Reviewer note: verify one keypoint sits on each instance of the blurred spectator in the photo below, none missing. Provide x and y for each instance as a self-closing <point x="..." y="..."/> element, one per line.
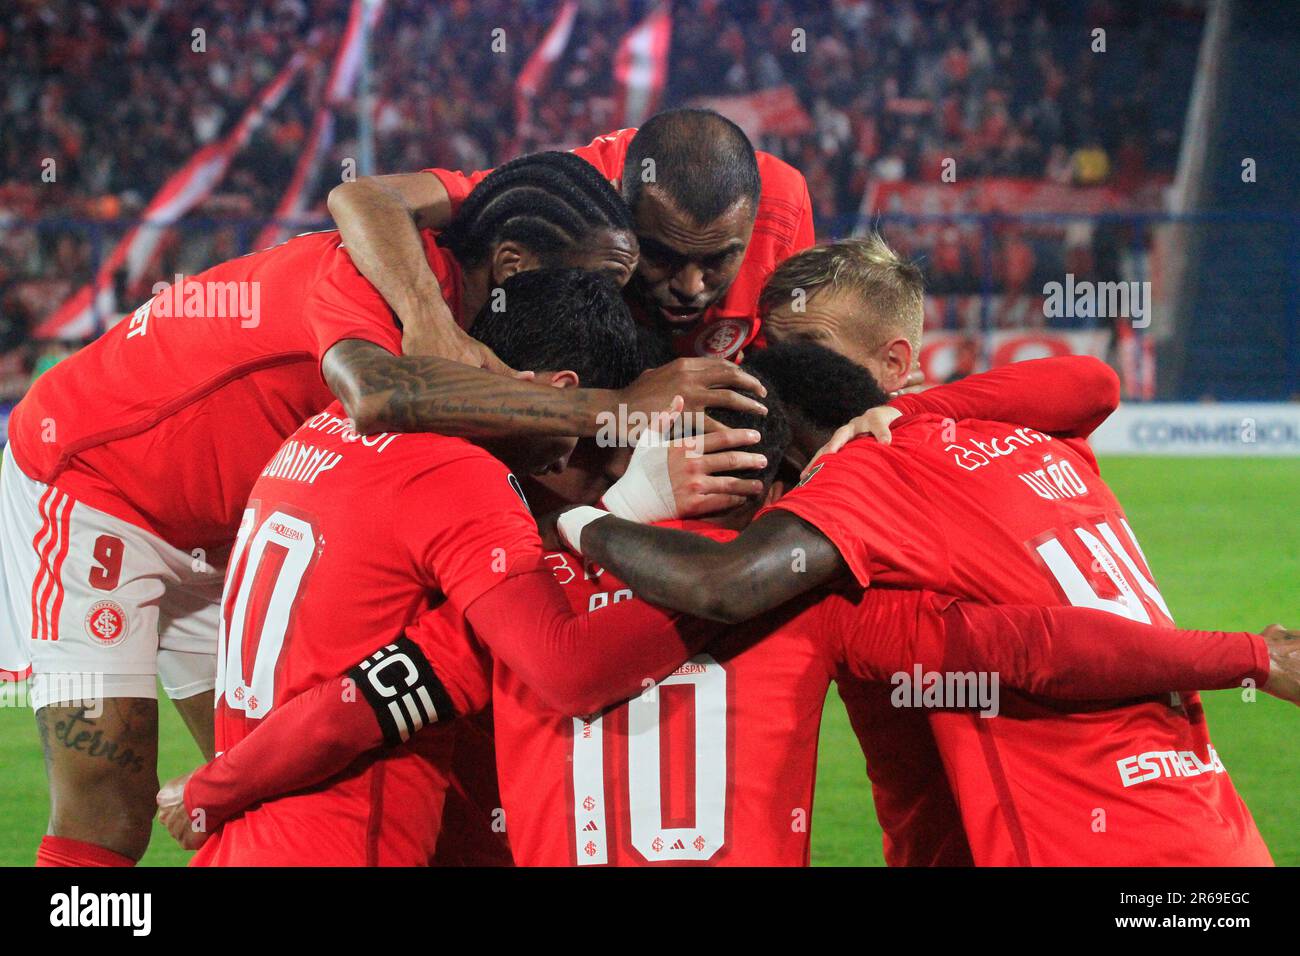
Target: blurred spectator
<point x="111" y="97"/>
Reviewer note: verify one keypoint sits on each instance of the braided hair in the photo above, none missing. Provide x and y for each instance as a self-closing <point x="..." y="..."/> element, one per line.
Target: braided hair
<point x="548" y="202"/>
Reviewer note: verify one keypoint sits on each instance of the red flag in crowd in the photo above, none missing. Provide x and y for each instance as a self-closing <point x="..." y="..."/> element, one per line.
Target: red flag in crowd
<point x="641" y="66"/>
<point x="342" y="81"/>
<point x="80" y="316"/>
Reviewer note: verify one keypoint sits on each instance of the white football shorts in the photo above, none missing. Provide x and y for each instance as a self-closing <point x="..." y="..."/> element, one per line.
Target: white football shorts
<point x="95" y="602"/>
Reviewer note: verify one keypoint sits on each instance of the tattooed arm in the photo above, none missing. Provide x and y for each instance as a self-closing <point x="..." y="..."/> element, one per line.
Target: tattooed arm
<point x="385" y="392"/>
<point x="379" y="218"/>
<point x="775" y="559"/>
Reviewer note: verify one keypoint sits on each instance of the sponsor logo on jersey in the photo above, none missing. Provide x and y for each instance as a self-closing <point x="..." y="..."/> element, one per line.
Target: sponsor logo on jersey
<point x="106" y="623"/>
<point x="974" y="453"/>
<point x="1155" y="764"/>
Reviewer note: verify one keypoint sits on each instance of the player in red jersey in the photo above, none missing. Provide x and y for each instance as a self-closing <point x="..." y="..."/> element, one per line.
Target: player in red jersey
<point x="991" y="512"/>
<point x="588" y="790"/>
<point x="713" y="216"/>
<point x="444" y="525"/>
<point x="128" y="464"/>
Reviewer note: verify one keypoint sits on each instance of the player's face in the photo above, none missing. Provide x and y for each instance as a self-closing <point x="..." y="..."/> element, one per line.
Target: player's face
<point x="686" y="267"/>
<point x="837" y="320"/>
<point x="590" y="472"/>
<point x="610" y="252"/>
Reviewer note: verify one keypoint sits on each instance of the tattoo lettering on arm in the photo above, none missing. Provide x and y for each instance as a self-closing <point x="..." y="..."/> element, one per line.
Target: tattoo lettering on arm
<point x="385" y="392"/>
<point x="773" y="561"/>
<point x="73" y="729"/>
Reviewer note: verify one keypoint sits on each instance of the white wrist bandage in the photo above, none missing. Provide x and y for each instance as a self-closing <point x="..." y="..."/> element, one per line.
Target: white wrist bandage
<point x="571" y="523"/>
<point x="645" y="492"/>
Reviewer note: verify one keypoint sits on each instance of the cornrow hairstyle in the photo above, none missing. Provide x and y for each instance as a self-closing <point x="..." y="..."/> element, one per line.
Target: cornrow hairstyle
<point x="548" y="202"/>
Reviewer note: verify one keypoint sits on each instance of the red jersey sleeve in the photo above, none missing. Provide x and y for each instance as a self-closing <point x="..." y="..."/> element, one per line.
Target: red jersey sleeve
<point x="581" y="663"/>
<point x="604" y="152"/>
<point x="330" y="724"/>
<point x="465" y="526"/>
<point x="342" y="304"/>
<point x="1068" y="396"/>
<point x="873" y="515"/>
<point x="458" y="184"/>
<point x="607" y="153"/>
<point x="1069" y="653"/>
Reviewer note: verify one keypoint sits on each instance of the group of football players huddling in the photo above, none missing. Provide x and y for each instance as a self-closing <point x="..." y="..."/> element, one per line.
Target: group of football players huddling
<point x="534" y="512"/>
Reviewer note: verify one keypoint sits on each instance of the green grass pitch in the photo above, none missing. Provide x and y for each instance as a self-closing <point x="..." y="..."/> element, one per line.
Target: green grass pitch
<point x="1223" y="537"/>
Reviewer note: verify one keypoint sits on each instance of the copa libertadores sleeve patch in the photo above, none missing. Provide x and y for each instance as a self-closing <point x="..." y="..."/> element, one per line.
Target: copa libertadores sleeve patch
<point x="402" y="689"/>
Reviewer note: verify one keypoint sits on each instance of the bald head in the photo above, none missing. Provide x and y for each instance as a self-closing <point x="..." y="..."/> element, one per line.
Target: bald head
<point x="697" y="159"/>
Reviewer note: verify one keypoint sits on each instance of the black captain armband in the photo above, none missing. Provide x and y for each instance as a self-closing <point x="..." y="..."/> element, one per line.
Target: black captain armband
<point x="399" y="684"/>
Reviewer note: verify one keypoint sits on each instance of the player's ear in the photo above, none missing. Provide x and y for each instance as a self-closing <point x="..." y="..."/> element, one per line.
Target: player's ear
<point x="565" y="379"/>
<point x="896" y="362"/>
<point x="510" y="258"/>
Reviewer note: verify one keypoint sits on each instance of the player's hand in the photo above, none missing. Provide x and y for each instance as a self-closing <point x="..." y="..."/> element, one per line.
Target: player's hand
<point x="187" y="830"/>
<point x="677" y="477"/>
<point x="701" y="382"/>
<point x="1284" y="663"/>
<point x="874" y="422"/>
<point x="433" y="331"/>
<point x="694" y="464"/>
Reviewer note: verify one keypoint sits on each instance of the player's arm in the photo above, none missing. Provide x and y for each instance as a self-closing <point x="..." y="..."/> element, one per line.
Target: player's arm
<point x="1062" y="652"/>
<point x="383" y="700"/>
<point x="581" y="663"/>
<point x="775" y="559"/>
<point x="1068" y="397"/>
<point x="385" y="392"/>
<point x="379" y="218"/>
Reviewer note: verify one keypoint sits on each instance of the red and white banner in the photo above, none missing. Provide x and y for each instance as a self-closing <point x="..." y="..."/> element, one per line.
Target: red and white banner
<point x="537" y="71"/>
<point x="347" y="63"/>
<point x="78" y="317"/>
<point x="772" y="112"/>
<point x="641" y="66"/>
<point x="339" y="89"/>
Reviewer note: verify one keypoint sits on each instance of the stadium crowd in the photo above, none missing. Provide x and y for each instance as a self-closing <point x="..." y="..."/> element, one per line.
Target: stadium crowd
<point x="119" y="94"/>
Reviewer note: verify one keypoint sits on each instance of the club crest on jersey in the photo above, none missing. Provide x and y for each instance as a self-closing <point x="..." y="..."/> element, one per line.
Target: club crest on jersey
<point x="721" y="339"/>
<point x="106" y="623"/>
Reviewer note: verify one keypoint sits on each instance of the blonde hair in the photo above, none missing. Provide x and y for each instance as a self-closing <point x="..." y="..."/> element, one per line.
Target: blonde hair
<point x="891" y="288"/>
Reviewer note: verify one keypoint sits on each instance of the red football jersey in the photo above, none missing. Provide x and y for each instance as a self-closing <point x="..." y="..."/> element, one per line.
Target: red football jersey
<point x="782" y="227"/>
<point x="1001" y="514"/>
<point x="166" y="419"/>
<point x="346" y="539"/>
<point x="715" y="765"/>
